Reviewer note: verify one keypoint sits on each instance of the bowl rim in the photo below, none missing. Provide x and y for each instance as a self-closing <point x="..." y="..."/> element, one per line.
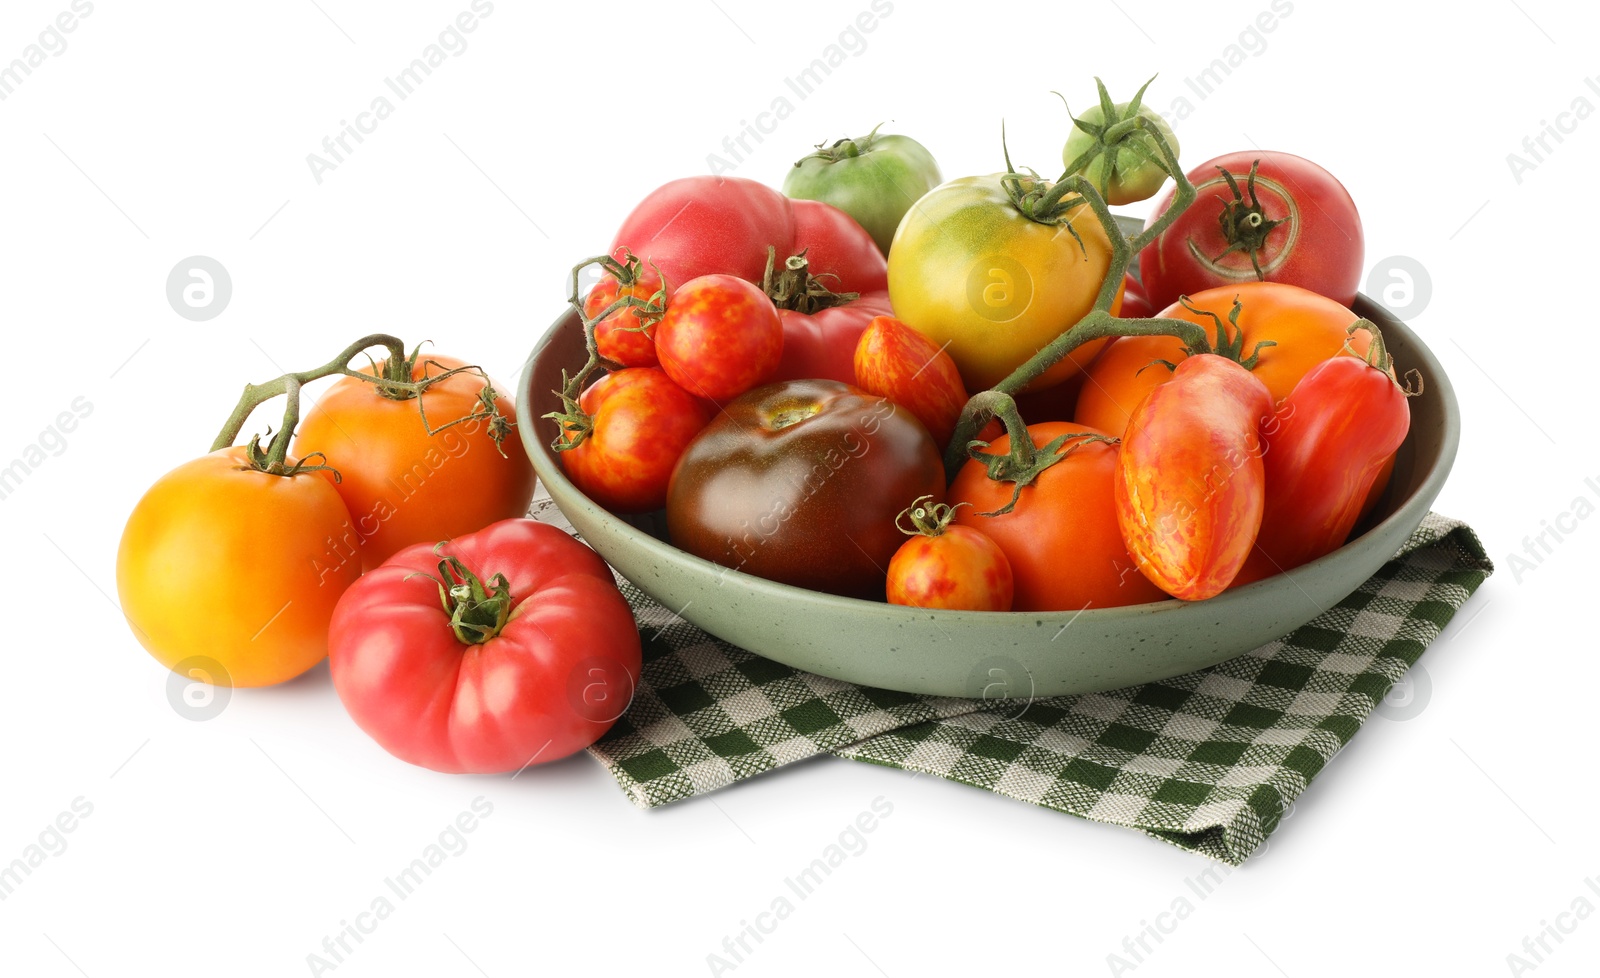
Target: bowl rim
<point x="548" y="469"/>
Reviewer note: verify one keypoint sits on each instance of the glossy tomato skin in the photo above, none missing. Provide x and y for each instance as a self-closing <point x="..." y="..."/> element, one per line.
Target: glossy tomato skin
<point x="1191" y="487"/>
<point x="720" y="337"/>
<point x="969" y="270"/>
<point x="1327" y="445"/>
<point x="800" y="482"/>
<point x="958" y="570"/>
<point x="1307" y="329"/>
<point x="1319" y="245"/>
<point x="642" y="422"/>
<point x="223" y="564"/>
<point x="875" y="179"/>
<point x="895" y="361"/>
<point x="548" y="685"/>
<point x="1061" y="539"/>
<point x="821" y="345"/>
<point x="712" y="225"/>
<point x="403" y="485"/>
<point x="619" y="336"/>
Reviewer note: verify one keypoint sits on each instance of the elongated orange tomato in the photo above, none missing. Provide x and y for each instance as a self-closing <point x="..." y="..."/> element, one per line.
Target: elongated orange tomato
<point x="1191" y="487"/>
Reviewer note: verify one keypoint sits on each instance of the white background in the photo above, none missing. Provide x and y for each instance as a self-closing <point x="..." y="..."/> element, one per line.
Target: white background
<point x="234" y="846"/>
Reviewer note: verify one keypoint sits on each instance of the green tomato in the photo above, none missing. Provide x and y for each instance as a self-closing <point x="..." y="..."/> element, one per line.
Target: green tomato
<point x="1126" y="171"/>
<point x="875" y="179"/>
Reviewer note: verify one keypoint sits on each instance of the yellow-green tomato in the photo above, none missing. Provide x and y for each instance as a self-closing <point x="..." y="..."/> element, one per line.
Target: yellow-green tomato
<point x="974" y="274"/>
<point x="1126" y="172"/>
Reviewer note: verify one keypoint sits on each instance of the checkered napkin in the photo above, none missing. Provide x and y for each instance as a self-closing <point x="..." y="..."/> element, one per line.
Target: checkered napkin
<point x="1208" y="761"/>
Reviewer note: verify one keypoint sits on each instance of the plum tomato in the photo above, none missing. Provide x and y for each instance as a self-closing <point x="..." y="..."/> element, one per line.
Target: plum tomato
<point x="895" y="361"/>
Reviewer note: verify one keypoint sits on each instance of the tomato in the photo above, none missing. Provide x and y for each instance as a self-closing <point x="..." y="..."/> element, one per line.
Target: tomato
<point x="1191" y="486"/>
<point x="640" y="423"/>
<point x="1061" y="538"/>
<point x="944" y="566"/>
<point x="894" y="361"/>
<point x="711" y="225"/>
<point x="224" y="566"/>
<point x="800" y="483"/>
<point x="719" y="337"/>
<point x="970" y="270"/>
<point x="403" y="485"/>
<point x="625" y="336"/>
<point x="1292" y="222"/>
<point x="1127" y="168"/>
<point x="1326" y="446"/>
<point x="820" y="326"/>
<point x="1307" y="329"/>
<point x="503" y="648"/>
<point x="875" y="179"/>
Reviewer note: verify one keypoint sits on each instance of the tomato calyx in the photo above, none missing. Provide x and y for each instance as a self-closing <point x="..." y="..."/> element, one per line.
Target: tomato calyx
<point x="796" y="289"/>
<point x="1023" y="462"/>
<point x="927" y="518"/>
<point x="478" y="612"/>
<point x="1245" y="226"/>
<point x="1377" y="357"/>
<point x="1119" y="136"/>
<point x="843" y="149"/>
<point x="1229" y="345"/>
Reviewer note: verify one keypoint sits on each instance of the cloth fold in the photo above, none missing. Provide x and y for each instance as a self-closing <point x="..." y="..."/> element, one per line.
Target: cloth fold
<point x="1208" y="761"/>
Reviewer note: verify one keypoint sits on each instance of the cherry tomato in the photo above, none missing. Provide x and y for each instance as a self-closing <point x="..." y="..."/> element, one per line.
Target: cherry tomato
<point x="800" y="482"/>
<point x="625" y="336"/>
<point x="894" y="361"/>
<point x="404" y="485"/>
<point x="640" y="424"/>
<point x="719" y="337"/>
<point x="1325" y="448"/>
<point x="1191" y="486"/>
<point x="1307" y="329"/>
<point x="1061" y="538"/>
<point x="503" y="648"/>
<point x="945" y="566"/>
<point x="1127" y="170"/>
<point x="1257" y="216"/>
<point x="230" y="575"/>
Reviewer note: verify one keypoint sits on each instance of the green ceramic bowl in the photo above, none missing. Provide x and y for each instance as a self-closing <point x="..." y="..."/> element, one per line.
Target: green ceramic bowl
<point x="966" y="653"/>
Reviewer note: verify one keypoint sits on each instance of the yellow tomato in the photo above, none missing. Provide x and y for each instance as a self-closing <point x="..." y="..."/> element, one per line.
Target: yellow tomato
<point x="971" y="270"/>
<point x="224" y="566"/>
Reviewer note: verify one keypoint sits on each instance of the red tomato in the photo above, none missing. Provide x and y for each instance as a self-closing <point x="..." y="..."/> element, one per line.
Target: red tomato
<point x="720" y="337"/>
<point x="944" y="566"/>
<point x="1307" y="329"/>
<point x="800" y="482"/>
<point x="1326" y="446"/>
<point x="1061" y="539"/>
<point x="822" y="345"/>
<point x="535" y="658"/>
<point x="641" y="422"/>
<point x="1190" y="486"/>
<point x="618" y="337"/>
<point x="895" y="361"/>
<point x="1292" y="223"/>
<point x="724" y="225"/>
<point x="403" y="485"/>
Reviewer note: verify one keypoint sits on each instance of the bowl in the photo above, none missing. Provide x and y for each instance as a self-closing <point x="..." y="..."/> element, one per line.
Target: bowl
<point x="995" y="654"/>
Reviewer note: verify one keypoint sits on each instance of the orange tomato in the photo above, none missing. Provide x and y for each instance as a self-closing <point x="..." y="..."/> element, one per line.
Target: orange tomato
<point x="1308" y="328"/>
<point x="403" y="485"/>
<point x="960" y="569"/>
<point x="1061" y="540"/>
<point x="222" y="565"/>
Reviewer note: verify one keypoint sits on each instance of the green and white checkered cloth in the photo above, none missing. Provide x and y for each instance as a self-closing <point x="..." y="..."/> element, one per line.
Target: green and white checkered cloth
<point x="1208" y="761"/>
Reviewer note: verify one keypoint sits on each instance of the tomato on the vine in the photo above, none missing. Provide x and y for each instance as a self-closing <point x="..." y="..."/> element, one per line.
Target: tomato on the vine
<point x="1128" y="165"/>
<point x="1257" y="216"/>
<point x="639" y="423"/>
<point x="624" y="337"/>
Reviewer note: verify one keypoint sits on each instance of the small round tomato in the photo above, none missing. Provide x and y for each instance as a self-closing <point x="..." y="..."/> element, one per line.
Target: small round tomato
<point x="875" y="179"/>
<point x="625" y="336"/>
<point x="1257" y="216"/>
<point x="894" y="361"/>
<point x="225" y="566"/>
<point x="944" y="566"/>
<point x="640" y="423"/>
<point x="1061" y="538"/>
<point x="976" y="275"/>
<point x="800" y="482"/>
<point x="1126" y="170"/>
<point x="405" y="485"/>
<point x="719" y="337"/>
<point x="1307" y="329"/>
